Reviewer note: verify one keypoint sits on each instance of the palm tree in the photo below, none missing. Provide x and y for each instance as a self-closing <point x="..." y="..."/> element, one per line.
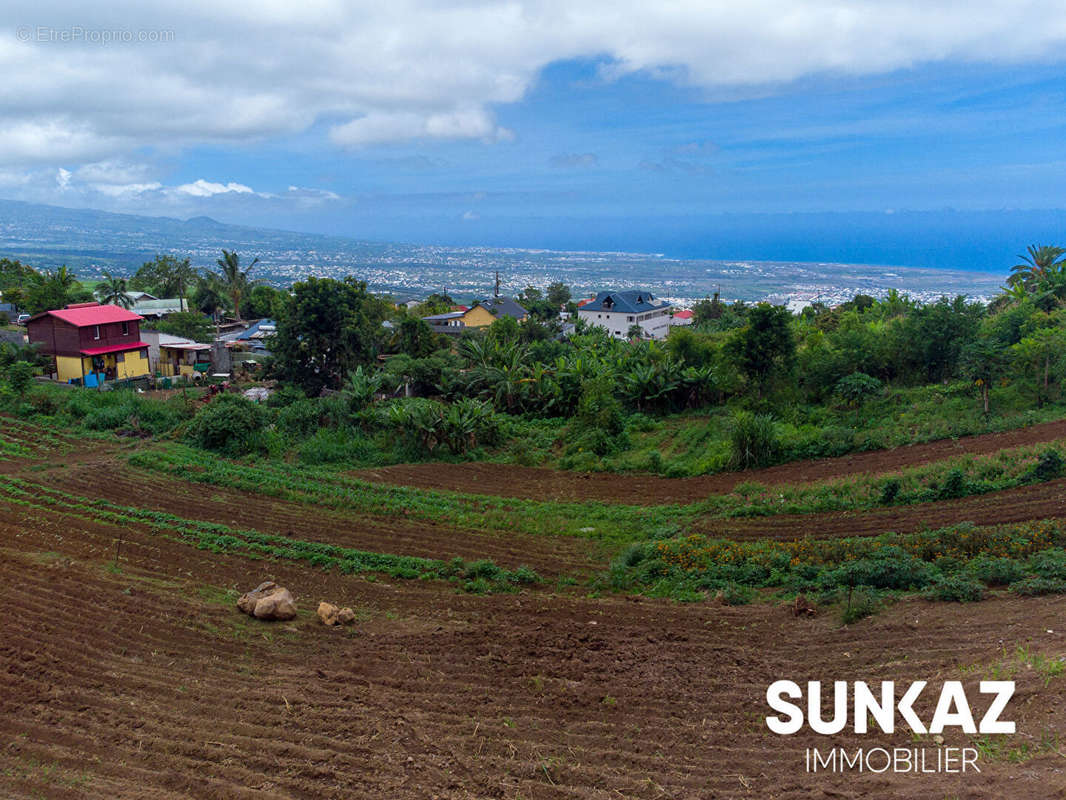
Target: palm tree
<point x="235" y="281"/>
<point x="209" y="296"/>
<point x="51" y="289"/>
<point x="1037" y="267"/>
<point x="112" y="291"/>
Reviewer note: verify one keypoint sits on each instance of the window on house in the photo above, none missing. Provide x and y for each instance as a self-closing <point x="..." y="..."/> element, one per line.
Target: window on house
<point x="125" y="329"/>
<point x="629" y="319"/>
<point x="120" y="358"/>
<point x="96" y="331"/>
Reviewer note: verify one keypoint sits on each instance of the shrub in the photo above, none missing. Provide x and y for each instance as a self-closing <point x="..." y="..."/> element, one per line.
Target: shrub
<point x="753" y="440"/>
<point x="299" y="419"/>
<point x="890" y="491"/>
<point x="483" y="569"/>
<point x="285" y="395"/>
<point x="735" y="594"/>
<point x="525" y="576"/>
<point x="996" y="571"/>
<point x="332" y="446"/>
<point x="650" y="569"/>
<point x="862" y="602"/>
<point x="631" y="556"/>
<point x="640" y="423"/>
<point x="891" y="568"/>
<point x="1049" y="563"/>
<point x="1037" y="587"/>
<point x="108" y="418"/>
<point x="598" y="409"/>
<point x="424" y="425"/>
<point x="1049" y="465"/>
<point x="955" y="589"/>
<point x="19" y="376"/>
<point x="361" y="388"/>
<point x="598" y="442"/>
<point x="228" y="424"/>
<point x="954" y="485"/>
<point x="856" y="388"/>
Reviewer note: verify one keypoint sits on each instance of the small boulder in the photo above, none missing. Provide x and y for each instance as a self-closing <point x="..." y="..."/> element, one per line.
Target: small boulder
<point x="327" y="612"/>
<point x="332" y="615"/>
<point x="268" y="601"/>
<point x="346" y="616"/>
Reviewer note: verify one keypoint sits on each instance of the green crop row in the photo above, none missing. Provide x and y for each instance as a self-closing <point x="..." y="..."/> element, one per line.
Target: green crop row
<point x="478" y="576"/>
<point x="326" y="488"/>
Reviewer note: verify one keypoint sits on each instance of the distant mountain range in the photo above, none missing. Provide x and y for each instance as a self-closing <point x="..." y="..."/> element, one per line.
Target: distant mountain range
<point x="91" y="241"/>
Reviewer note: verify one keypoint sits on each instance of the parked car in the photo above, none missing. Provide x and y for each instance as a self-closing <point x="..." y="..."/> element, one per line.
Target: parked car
<point x="23" y="319"/>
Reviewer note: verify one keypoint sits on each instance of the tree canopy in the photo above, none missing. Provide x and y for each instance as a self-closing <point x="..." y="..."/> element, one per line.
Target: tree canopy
<point x="327" y="329"/>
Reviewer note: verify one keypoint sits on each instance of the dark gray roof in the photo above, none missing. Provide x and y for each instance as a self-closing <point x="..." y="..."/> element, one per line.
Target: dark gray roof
<point x="503" y="307"/>
<point x="449" y="315"/>
<point x="630" y="301"/>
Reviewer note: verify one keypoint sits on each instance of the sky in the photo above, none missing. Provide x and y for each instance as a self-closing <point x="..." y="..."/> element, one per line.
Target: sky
<point x="710" y="129"/>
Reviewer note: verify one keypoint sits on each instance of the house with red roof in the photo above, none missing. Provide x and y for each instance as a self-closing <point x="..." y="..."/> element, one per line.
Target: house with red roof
<point x="681" y="317"/>
<point x="91" y="343"/>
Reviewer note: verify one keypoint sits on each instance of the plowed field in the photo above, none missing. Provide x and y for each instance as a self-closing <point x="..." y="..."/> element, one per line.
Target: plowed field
<point x="635" y="489"/>
<point x="1038" y="501"/>
<point x="143" y="681"/>
<point x="240" y="509"/>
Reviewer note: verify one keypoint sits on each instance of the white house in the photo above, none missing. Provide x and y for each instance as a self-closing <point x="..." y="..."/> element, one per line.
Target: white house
<point x="619" y="311"/>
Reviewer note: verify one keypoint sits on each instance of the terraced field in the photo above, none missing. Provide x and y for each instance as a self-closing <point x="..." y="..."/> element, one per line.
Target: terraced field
<point x="126" y="672"/>
<point x="538" y="483"/>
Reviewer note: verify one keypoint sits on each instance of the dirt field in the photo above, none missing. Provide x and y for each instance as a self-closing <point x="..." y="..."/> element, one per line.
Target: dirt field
<point x="634" y="489"/>
<point x="239" y="509"/>
<point x="136" y="677"/>
<point x="1039" y="501"/>
<point x="143" y="681"/>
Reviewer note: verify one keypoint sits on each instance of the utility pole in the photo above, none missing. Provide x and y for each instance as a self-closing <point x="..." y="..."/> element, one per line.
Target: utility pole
<point x="497" y="283"/>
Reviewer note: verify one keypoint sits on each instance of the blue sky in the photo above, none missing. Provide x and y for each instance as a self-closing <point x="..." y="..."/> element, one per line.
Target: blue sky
<point x="527" y="125"/>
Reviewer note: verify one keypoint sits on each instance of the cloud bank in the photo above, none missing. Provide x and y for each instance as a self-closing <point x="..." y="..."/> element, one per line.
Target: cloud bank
<point x="374" y="73"/>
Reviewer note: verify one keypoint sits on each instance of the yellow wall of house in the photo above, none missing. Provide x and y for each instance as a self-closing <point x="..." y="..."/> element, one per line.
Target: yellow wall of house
<point x="68" y="368"/>
<point x="134" y="365"/>
<point x="478" y="317"/>
<point x="166" y="364"/>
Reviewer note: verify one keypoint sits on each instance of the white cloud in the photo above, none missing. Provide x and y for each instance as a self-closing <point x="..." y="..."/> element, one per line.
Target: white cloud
<point x="122" y="190"/>
<point x="130" y="187"/>
<point x="394" y="126"/>
<point x="307" y="194"/>
<point x="202" y="188"/>
<point x="436" y="69"/>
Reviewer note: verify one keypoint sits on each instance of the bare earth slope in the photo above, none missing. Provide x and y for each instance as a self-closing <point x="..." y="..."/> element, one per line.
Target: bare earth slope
<point x="145" y="682"/>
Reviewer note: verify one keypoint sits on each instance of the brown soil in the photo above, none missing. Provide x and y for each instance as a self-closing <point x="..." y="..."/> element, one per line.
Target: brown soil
<point x="1039" y="501"/>
<point x="539" y="483"/>
<point x="139" y="683"/>
<point x="116" y="481"/>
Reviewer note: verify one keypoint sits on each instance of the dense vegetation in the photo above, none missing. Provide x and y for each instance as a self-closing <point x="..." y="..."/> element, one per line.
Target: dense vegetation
<point x="360" y="382"/>
<point x="366" y="382"/>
